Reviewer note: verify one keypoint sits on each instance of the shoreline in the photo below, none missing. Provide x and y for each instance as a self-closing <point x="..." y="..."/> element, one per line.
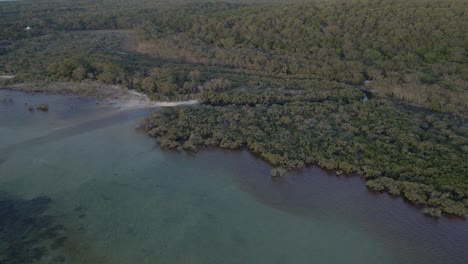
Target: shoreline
<point x="112" y="95"/>
<point x="310" y="195"/>
<point x="119" y="99"/>
<point x="309" y="167"/>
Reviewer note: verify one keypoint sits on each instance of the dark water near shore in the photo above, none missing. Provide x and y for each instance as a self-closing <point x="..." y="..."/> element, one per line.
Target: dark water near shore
<point x="79" y="184"/>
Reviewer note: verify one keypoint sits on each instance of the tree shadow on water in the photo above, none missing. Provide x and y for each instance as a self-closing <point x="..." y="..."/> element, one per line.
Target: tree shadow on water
<point x="26" y="232"/>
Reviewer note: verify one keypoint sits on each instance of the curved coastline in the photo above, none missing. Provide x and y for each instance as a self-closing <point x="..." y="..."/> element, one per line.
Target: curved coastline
<point x="311" y="194"/>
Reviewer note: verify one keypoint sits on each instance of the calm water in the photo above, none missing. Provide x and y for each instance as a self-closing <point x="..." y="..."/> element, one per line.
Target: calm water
<point x="79" y="184"/>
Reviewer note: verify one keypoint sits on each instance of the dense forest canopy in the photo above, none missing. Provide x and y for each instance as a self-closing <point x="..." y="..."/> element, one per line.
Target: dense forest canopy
<point x="415" y="50"/>
<point x="372" y="87"/>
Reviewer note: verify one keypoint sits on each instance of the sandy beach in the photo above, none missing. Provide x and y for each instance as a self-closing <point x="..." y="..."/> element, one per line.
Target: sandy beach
<point x="112" y="95"/>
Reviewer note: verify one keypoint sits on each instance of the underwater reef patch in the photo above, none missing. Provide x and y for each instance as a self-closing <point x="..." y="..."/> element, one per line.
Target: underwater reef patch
<point x="27" y="233"/>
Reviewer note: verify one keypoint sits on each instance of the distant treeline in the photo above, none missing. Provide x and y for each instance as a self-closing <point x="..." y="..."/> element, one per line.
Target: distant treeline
<point x="414" y="50"/>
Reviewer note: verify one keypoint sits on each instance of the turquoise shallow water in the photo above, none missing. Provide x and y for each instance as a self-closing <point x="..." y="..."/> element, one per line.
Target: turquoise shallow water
<point x="79" y="184"/>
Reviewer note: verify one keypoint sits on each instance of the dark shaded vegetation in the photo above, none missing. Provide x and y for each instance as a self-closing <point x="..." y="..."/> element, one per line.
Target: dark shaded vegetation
<point x="26" y="232"/>
<point x="285" y="81"/>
